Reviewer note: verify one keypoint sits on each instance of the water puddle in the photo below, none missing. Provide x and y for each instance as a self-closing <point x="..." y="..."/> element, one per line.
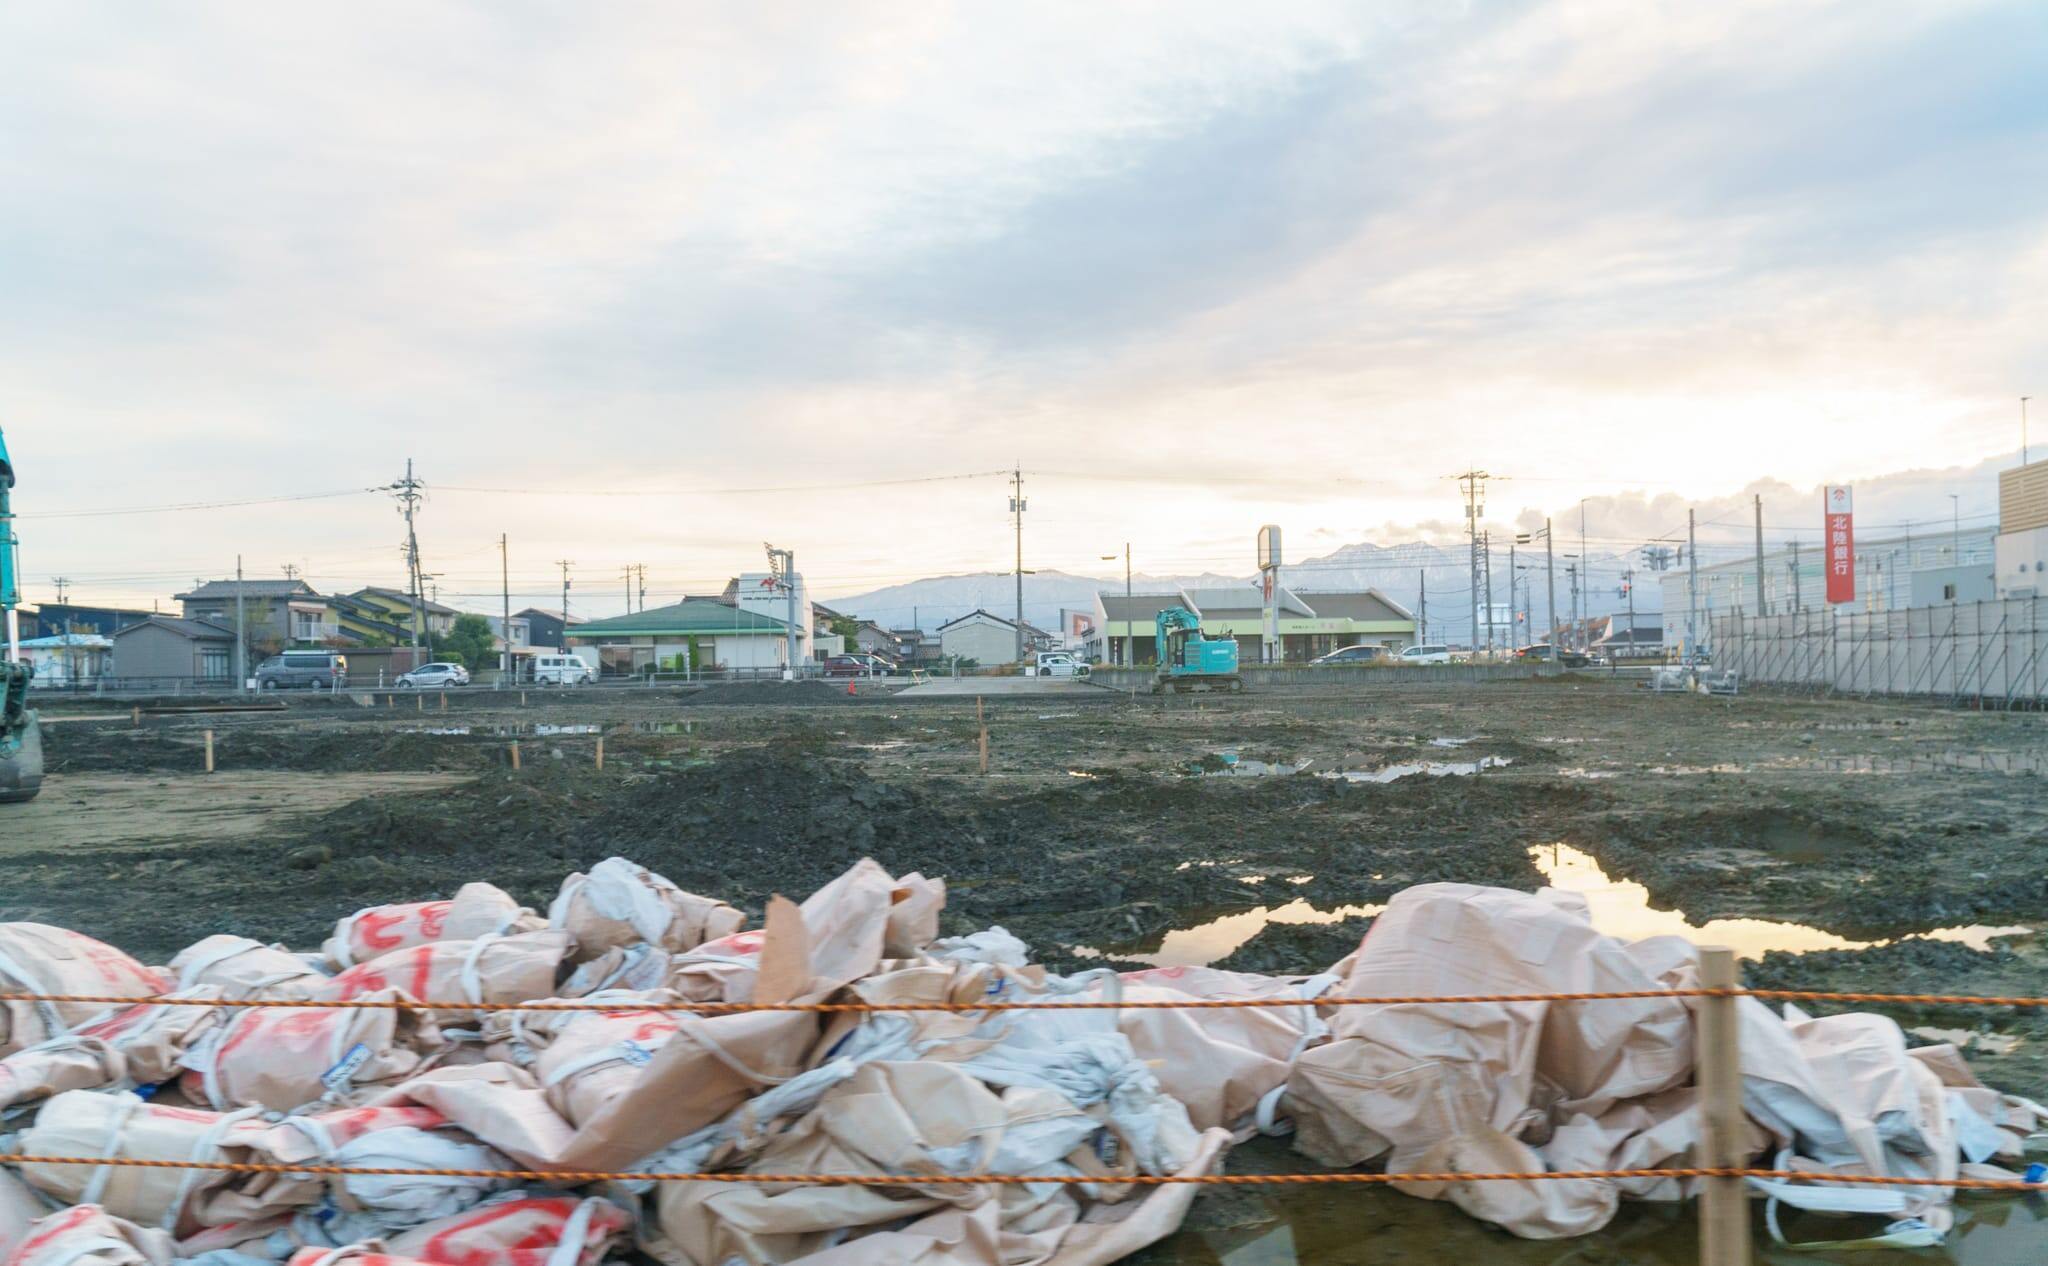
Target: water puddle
<point x="886" y="745"/>
<point x="1617" y="907"/>
<point x="1233" y="767"/>
<point x="1449" y="742"/>
<point x="1622" y="908"/>
<point x="1339" y="1226"/>
<point x="662" y="727"/>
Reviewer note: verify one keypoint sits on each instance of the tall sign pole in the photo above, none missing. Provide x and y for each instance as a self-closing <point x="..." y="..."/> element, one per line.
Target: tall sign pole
<point x="1269" y="576"/>
<point x="1838" y="507"/>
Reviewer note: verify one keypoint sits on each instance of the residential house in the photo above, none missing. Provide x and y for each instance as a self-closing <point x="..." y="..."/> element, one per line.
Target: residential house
<point x="920" y="649"/>
<point x="366" y="624"/>
<point x="50" y="619"/>
<point x="1613" y="637"/>
<point x="275" y="614"/>
<point x="987" y="638"/>
<point x="519" y="641"/>
<point x="398" y="608"/>
<point x="696" y="635"/>
<point x="876" y="640"/>
<point x="547" y="628"/>
<point x="169" y="648"/>
<point x="68" y="658"/>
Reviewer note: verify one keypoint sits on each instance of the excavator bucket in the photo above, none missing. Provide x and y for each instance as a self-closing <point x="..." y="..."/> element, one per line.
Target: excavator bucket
<point x="21" y="739"/>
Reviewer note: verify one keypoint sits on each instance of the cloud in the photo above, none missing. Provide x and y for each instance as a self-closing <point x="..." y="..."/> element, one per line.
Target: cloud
<point x="1231" y="255"/>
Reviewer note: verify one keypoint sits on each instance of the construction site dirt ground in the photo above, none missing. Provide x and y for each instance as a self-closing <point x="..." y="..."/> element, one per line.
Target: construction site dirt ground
<point x="1837" y="843"/>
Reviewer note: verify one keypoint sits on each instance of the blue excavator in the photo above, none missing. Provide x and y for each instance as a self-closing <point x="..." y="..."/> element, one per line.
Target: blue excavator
<point x="21" y="740"/>
<point x="1187" y="660"/>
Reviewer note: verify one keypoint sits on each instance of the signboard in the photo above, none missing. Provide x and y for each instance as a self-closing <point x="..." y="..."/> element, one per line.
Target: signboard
<point x="1839" y="543"/>
<point x="1269" y="546"/>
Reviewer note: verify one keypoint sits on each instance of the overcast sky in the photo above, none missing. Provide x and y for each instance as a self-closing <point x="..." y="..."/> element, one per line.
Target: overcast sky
<point x="1232" y="263"/>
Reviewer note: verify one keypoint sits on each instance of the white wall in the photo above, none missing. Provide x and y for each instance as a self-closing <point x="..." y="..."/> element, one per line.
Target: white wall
<point x="2020" y="563"/>
<point x="981" y="640"/>
<point x="760" y="650"/>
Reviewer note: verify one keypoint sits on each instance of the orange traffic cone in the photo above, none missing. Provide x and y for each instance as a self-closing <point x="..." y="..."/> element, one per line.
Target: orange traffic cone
<point x="849" y="687"/>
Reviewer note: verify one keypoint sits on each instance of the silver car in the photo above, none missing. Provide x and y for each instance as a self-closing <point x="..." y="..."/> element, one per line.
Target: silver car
<point x="436" y="674"/>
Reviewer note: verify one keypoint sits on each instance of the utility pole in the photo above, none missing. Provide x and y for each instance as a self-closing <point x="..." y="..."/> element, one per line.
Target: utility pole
<point x="1628" y="584"/>
<point x="291" y="572"/>
<point x="1017" y="512"/>
<point x="1486" y="539"/>
<point x="1571" y="572"/>
<point x="629" y="588"/>
<point x="1794" y="565"/>
<point x="782" y="568"/>
<point x="1955" y="532"/>
<point x="407" y="492"/>
<point x="1127" y="569"/>
<point x="1473" y="482"/>
<point x="1692" y="585"/>
<point x="1511" y="596"/>
<point x="1550" y="577"/>
<point x="565" y="565"/>
<point x="641" y="568"/>
<point x="1586" y="574"/>
<point x="1762" y="607"/>
<point x="1422" y="619"/>
<point x="62" y="583"/>
<point x="241" y="633"/>
<point x="505" y="619"/>
<point x="2023" y="429"/>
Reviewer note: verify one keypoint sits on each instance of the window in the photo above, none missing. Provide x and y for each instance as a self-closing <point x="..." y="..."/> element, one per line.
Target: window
<point x="1948" y="593"/>
<point x="213" y="664"/>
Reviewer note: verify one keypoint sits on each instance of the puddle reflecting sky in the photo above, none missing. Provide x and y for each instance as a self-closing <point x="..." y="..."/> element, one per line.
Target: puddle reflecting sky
<point x="1618" y="908"/>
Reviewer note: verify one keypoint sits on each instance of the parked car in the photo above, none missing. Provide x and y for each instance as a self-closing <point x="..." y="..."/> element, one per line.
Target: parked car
<point x="1431" y="653"/>
<point x="1055" y="664"/>
<point x="317" y="670"/>
<point x="562" y="670"/>
<point x="436" y="674"/>
<point x="847" y="666"/>
<point x="877" y="666"/>
<point x="1354" y="655"/>
<point x="1544" y="651"/>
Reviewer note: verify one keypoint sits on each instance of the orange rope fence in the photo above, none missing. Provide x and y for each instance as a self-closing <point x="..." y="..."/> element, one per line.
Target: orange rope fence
<point x="960" y="1180"/>
<point x="1048" y="1004"/>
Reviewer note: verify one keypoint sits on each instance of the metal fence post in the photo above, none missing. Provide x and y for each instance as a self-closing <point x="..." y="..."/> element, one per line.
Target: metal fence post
<point x="1724" y="1202"/>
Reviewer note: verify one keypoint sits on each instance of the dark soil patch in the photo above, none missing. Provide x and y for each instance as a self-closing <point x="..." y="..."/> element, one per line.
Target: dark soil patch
<point x="75" y="749"/>
<point x="1060" y="865"/>
<point x="756" y="693"/>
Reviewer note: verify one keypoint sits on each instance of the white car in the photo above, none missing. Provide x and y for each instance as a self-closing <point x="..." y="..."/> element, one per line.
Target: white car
<point x="438" y="674"/>
<point x="1425" y="654"/>
<point x="1056" y="664"/>
<point x="562" y="670"/>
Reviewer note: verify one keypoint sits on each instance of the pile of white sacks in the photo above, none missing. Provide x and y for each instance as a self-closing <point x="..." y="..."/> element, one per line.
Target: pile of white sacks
<point x="647" y="1084"/>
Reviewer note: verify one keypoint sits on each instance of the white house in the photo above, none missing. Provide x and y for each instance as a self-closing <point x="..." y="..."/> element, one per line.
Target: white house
<point x="981" y="637"/>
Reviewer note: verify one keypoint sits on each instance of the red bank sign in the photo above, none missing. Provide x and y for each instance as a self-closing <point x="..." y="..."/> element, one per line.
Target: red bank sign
<point x="1836" y="505"/>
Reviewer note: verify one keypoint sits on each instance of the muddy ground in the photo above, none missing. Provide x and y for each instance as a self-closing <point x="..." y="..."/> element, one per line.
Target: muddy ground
<point x="1102" y="824"/>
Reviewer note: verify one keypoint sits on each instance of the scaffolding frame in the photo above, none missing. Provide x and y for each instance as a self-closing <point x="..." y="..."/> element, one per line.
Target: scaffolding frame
<point x="1985" y="654"/>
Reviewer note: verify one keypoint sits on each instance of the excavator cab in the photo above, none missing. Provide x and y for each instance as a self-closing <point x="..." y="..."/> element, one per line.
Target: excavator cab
<point x="21" y="739"/>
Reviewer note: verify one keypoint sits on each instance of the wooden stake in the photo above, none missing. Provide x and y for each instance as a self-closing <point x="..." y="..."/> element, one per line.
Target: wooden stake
<point x="515" y="753"/>
<point x="982" y="721"/>
<point x="444" y="701"/>
<point x="1724" y="1202"/>
<point x="522" y="698"/>
<point x="419" y="703"/>
<point x="600" y="752"/>
<point x="138" y="718"/>
<point x="209" y="751"/>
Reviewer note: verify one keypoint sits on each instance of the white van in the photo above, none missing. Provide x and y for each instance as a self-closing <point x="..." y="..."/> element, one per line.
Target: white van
<point x="1425" y="655"/>
<point x="561" y="670"/>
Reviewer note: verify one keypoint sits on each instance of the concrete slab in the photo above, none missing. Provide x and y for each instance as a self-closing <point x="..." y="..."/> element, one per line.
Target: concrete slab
<point x="958" y="687"/>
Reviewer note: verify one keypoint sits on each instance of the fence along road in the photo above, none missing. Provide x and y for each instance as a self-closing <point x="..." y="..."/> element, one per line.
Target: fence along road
<point x="1990" y="653"/>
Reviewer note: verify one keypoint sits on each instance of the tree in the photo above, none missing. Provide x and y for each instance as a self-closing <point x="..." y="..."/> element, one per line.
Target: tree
<point x="470" y="643"/>
<point x="848" y="628"/>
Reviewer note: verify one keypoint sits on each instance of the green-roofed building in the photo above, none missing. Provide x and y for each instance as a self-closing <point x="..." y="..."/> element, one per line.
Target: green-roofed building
<point x="696" y="633"/>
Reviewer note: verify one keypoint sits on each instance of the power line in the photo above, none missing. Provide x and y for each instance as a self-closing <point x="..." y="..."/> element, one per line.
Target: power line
<point x="197" y="505"/>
